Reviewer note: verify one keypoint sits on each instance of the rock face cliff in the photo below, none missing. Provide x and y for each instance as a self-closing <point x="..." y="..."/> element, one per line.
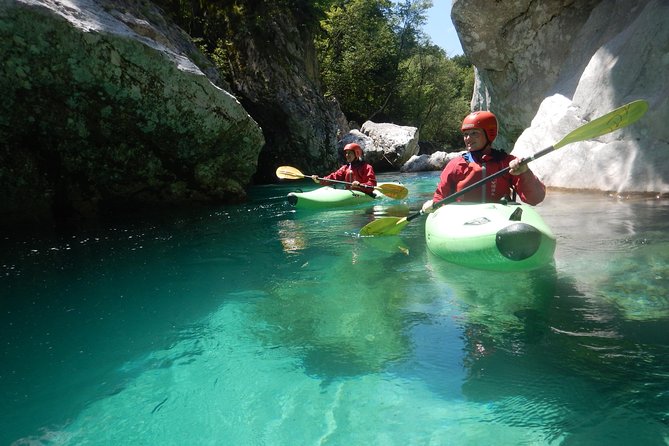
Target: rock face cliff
<point x="546" y="67"/>
<point x="103" y="106"/>
<point x="275" y="75"/>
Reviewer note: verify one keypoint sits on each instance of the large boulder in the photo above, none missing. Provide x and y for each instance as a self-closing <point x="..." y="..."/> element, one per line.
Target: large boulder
<point x="392" y="146"/>
<point x="435" y="161"/>
<point x="556" y="65"/>
<point x="104" y="106"/>
<point x="387" y="147"/>
<point x="274" y="73"/>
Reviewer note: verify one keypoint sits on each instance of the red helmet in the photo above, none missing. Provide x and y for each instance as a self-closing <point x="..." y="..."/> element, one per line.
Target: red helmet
<point x="355" y="147"/>
<point x="483" y="120"/>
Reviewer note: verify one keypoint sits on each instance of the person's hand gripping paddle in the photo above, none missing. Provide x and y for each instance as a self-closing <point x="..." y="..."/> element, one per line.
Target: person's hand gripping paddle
<point x="614" y="120"/>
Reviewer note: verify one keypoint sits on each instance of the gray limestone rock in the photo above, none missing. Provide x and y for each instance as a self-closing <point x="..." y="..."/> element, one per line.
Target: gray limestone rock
<point x="393" y="145"/>
<point x="104" y="106"/>
<point x="550" y="67"/>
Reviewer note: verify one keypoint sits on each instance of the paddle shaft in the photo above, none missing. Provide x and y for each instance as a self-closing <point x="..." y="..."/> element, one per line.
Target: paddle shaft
<point x="451" y="198"/>
<point x="344" y="182"/>
<point x="395" y="191"/>
<point x="616" y="119"/>
<point x="301" y="175"/>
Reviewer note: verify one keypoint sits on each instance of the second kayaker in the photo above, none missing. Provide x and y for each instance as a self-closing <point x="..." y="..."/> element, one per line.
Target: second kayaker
<point x="356" y="171"/>
<point x="479" y="130"/>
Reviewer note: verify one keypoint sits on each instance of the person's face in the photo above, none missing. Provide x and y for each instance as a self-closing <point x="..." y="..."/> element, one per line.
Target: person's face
<point x="474" y="139"/>
<point x="350" y="155"/>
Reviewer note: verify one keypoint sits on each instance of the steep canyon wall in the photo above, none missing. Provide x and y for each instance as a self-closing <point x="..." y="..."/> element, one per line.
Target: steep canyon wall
<point x="546" y="67"/>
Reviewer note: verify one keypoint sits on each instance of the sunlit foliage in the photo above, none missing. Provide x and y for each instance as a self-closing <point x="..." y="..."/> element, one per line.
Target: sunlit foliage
<point x="374" y="56"/>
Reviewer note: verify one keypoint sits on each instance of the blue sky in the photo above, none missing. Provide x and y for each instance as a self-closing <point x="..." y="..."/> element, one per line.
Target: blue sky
<point x="440" y="28"/>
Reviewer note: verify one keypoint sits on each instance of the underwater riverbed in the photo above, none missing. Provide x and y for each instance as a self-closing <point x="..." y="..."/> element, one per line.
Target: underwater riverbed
<point x="259" y="324"/>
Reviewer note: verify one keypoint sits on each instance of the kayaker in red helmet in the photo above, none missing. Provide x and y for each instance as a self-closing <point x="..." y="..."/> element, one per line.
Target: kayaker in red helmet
<point x="479" y="130"/>
<point x="355" y="171"/>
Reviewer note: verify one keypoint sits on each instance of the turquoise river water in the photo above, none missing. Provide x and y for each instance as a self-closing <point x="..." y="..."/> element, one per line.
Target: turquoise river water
<point x="259" y="325"/>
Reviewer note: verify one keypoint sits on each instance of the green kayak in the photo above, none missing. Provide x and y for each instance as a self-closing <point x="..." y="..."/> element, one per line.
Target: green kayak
<point x="490" y="236"/>
<point x="327" y="197"/>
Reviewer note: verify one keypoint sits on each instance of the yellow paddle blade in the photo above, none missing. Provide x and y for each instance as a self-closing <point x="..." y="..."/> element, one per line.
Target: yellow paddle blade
<point x="613" y="120"/>
<point x="384" y="226"/>
<point x="395" y="191"/>
<point x="288" y="173"/>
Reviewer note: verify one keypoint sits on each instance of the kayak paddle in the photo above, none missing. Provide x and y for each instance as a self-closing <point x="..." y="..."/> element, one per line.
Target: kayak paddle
<point x="614" y="120"/>
<point x="395" y="191"/>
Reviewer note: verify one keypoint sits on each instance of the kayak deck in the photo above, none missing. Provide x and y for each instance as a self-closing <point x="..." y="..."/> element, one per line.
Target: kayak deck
<point x="328" y="197"/>
<point x="490" y="236"/>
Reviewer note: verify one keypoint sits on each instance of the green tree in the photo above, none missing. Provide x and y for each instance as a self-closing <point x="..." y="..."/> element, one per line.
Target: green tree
<point x="379" y="64"/>
<point x="434" y="96"/>
<point x="358" y="55"/>
<point x="374" y="56"/>
<point x="407" y="19"/>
